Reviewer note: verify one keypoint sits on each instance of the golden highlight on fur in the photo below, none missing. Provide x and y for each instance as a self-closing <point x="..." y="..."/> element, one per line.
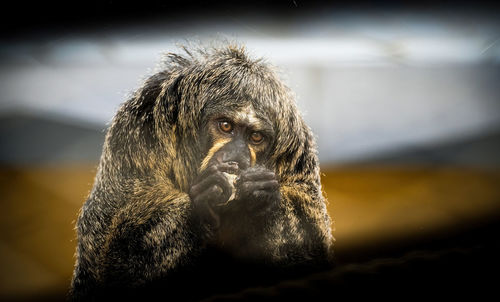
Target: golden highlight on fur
<point x="218" y="144"/>
<point x="253" y="156"/>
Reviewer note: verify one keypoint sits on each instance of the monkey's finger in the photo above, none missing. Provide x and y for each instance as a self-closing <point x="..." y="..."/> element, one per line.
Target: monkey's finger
<point x="220" y="196"/>
<point x="212" y="192"/>
<point x="260" y="185"/>
<point x="212" y="196"/>
<point x="214" y="179"/>
<point x="231" y="168"/>
<point x="258" y="176"/>
<point x="207" y="172"/>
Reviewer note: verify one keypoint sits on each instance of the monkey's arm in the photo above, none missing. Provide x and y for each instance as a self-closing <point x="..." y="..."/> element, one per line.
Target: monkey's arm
<point x="158" y="229"/>
<point x="303" y="230"/>
<point x="148" y="237"/>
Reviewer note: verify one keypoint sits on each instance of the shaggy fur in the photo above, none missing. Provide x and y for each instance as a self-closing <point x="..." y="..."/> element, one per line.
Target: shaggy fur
<point x="137" y="227"/>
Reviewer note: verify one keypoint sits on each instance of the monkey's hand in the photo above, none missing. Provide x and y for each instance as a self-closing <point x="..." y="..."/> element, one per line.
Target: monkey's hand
<point x="211" y="188"/>
<point x="258" y="190"/>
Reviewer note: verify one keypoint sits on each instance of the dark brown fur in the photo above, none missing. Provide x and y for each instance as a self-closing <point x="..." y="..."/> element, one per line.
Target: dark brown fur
<point x="137" y="226"/>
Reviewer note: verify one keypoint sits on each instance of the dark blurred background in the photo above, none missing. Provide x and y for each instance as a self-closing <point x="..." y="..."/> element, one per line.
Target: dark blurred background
<point x="404" y="101"/>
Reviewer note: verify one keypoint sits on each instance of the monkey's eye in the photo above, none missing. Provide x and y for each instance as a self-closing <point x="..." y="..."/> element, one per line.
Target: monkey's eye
<point x="226" y="126"/>
<point x="256" y="138"/>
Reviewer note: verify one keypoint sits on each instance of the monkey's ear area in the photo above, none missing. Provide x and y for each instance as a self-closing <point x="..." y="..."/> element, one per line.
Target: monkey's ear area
<point x="168" y="100"/>
<point x="294" y="150"/>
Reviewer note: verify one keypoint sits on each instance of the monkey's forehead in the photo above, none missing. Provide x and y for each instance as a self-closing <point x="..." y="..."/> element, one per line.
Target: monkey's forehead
<point x="244" y="115"/>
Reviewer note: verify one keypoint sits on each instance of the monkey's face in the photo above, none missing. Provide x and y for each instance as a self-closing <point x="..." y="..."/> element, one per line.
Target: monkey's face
<point x="240" y="138"/>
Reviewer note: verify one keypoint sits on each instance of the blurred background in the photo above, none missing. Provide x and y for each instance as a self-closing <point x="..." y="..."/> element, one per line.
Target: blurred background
<point x="404" y="102"/>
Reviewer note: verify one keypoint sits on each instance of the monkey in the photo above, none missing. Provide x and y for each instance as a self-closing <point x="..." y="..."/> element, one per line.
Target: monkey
<point x="208" y="163"/>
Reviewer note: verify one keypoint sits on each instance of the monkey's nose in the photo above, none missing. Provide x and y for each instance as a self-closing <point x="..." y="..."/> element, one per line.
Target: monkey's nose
<point x="235" y="153"/>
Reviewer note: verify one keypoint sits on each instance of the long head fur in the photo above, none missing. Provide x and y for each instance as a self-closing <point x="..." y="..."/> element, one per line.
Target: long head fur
<point x="155" y="135"/>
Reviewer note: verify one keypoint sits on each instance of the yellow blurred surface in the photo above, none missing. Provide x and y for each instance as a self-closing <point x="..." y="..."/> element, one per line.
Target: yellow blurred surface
<point x="374" y="203"/>
<point x="368" y="203"/>
<point x="37" y="215"/>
